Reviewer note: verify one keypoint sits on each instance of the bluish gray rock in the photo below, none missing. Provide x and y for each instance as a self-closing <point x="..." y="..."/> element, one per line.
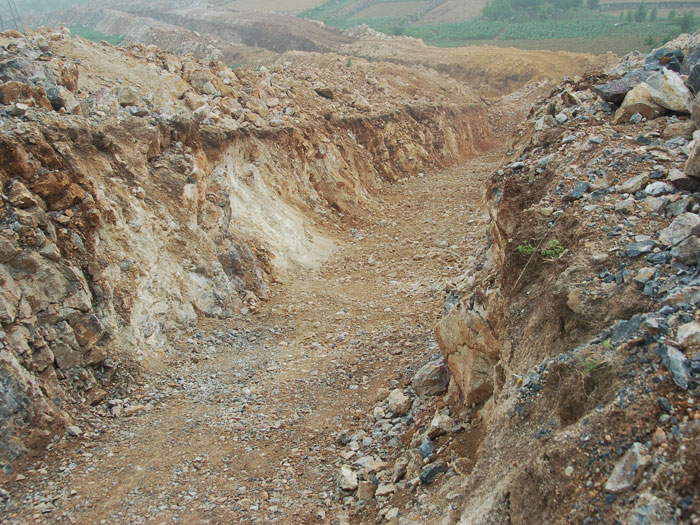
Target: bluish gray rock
<point x="431" y="472"/>
<point x="426" y="448"/>
<point x="579" y="191"/>
<point x="636" y="249"/>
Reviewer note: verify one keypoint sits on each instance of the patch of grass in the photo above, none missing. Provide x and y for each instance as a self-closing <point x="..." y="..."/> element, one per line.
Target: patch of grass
<point x="435" y="34"/>
<point x="526" y="248"/>
<point x="586" y="367"/>
<point x="94" y="35"/>
<point x="552" y="250"/>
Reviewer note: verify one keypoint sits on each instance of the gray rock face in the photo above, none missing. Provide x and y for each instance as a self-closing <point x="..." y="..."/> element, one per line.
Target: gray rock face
<point x="676" y="363"/>
<point x="578" y="192"/>
<point x="628" y="470"/>
<point x="431" y="379"/>
<point x="665" y="58"/>
<point x="681" y="228"/>
<point x="426" y="448"/>
<point x="694" y="78"/>
<point x="687" y="250"/>
<point x="25" y="68"/>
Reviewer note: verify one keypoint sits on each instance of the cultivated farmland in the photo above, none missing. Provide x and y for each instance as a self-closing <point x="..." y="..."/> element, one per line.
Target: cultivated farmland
<point x="450" y="23"/>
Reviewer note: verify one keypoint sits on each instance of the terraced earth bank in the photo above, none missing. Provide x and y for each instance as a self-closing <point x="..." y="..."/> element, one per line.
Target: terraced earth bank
<point x="322" y="291"/>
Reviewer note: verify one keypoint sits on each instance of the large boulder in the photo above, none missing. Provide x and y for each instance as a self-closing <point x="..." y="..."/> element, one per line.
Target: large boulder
<point x="470" y="346"/>
<point x="668" y="90"/>
<point x="638" y="100"/>
<point x="431" y="379"/>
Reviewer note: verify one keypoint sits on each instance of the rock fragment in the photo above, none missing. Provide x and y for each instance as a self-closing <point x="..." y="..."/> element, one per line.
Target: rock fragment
<point x="399" y="403"/>
<point x="431" y="472"/>
<point x="628" y="470"/>
<point x="347" y="479"/>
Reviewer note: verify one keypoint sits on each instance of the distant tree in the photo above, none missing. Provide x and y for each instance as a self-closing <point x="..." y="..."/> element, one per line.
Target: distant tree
<point x="593" y="4"/>
<point x="686" y="21"/>
<point x="577" y="4"/>
<point x="498" y="9"/>
<point x="672" y="14"/>
<point x="640" y="14"/>
<point x="654" y="14"/>
<point x="545" y="12"/>
<point x="622" y="16"/>
<point x="629" y="16"/>
<point x="650" y="42"/>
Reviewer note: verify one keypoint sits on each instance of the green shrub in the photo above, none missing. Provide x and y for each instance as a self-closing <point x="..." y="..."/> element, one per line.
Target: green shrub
<point x="553" y="250"/>
<point x="526" y="248"/>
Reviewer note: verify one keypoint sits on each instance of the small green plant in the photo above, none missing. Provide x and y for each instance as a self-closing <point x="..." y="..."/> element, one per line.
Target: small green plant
<point x="586" y="367"/>
<point x="526" y="248"/>
<point x="650" y="42"/>
<point x="348" y="63"/>
<point x="608" y="343"/>
<point x="553" y="250"/>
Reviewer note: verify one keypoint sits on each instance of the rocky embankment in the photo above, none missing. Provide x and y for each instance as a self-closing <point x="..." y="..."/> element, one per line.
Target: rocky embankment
<point x="573" y="337"/>
<point x="142" y="191"/>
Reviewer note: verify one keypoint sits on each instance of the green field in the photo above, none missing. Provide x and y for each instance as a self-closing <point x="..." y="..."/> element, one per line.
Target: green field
<point x="94" y="35"/>
<point x="543" y="27"/>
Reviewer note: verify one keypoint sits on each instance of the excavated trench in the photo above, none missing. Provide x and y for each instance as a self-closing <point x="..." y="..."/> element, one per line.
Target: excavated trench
<point x="142" y="254"/>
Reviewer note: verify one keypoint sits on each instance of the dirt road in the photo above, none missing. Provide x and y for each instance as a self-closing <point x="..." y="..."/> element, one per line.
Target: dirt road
<point x="242" y="424"/>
